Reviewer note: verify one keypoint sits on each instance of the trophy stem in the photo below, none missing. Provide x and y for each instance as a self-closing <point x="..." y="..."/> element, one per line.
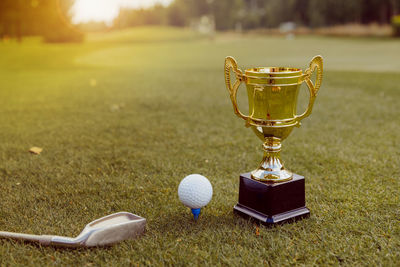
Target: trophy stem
<point x="271" y="168"/>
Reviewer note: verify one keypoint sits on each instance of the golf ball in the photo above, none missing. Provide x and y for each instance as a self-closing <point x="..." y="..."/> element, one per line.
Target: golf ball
<point x="195" y="191"/>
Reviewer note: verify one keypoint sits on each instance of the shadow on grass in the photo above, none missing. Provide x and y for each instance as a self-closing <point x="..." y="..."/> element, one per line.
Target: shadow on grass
<point x="184" y="224"/>
<point x="32" y="244"/>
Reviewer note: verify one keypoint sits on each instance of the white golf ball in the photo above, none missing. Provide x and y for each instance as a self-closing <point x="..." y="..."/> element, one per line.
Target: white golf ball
<point x="195" y="191"/>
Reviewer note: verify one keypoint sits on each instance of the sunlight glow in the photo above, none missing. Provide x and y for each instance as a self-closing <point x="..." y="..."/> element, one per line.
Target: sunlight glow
<point x="106" y="10"/>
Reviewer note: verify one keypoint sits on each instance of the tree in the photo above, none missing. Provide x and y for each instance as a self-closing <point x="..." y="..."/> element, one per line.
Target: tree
<point x="58" y="26"/>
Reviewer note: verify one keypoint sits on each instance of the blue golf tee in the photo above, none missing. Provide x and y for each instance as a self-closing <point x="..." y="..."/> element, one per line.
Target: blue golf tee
<point x="196" y="213"/>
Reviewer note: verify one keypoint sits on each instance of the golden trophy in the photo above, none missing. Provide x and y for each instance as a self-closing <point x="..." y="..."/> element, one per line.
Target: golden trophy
<point x="271" y="193"/>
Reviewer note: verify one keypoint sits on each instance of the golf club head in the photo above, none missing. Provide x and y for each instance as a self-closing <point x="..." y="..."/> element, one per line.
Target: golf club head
<point x="105" y="231"/>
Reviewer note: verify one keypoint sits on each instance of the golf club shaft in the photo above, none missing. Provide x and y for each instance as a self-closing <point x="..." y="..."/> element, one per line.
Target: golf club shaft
<point x="42" y="239"/>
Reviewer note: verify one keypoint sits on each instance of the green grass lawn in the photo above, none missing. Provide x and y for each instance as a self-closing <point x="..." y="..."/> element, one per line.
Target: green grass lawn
<point x="125" y="116"/>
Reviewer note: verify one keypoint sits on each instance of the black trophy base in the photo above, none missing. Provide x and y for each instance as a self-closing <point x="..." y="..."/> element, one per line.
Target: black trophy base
<point x="272" y="203"/>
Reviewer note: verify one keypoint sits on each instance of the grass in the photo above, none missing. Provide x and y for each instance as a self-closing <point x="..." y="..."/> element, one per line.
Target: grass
<point x="123" y="119"/>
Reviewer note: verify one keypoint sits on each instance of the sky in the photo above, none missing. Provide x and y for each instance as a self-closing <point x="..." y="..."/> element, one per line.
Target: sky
<point x="106" y="10"/>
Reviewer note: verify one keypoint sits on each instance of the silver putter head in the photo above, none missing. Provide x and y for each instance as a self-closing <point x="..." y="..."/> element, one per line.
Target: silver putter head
<point x="105" y="231"/>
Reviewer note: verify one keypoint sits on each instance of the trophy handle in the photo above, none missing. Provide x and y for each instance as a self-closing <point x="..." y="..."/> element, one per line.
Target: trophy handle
<point x="316" y="63"/>
<point x="230" y="63"/>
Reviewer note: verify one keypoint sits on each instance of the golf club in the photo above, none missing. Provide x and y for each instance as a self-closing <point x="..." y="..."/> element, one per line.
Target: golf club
<point x="105" y="231"/>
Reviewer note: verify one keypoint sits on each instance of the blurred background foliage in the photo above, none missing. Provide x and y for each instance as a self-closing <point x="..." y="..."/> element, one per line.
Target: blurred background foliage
<point x="52" y="18"/>
<point x="252" y="14"/>
<point x="48" y="18"/>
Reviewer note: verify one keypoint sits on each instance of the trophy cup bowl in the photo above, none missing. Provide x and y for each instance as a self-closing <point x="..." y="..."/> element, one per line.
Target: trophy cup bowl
<point x="272" y="98"/>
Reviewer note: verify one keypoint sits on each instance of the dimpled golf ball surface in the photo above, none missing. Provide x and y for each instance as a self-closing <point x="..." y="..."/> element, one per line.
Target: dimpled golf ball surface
<point x="195" y="191"/>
